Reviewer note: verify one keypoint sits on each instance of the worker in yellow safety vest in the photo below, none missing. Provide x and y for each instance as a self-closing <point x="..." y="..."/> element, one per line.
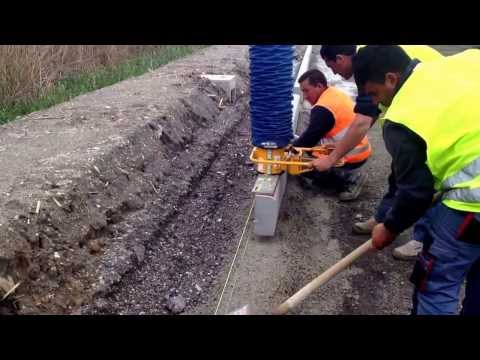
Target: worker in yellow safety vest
<point x="435" y="147"/>
<point x="339" y="59"/>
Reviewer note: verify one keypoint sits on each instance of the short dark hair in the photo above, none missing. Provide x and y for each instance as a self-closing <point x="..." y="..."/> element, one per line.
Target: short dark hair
<point x="330" y="52"/>
<point x="314" y="77"/>
<point x="371" y="63"/>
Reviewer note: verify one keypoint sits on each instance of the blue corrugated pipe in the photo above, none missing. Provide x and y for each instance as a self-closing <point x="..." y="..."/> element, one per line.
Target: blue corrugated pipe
<point x="271" y="86"/>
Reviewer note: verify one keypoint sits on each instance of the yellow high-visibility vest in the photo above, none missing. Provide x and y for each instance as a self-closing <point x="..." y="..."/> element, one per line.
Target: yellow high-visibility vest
<point x="423" y="53"/>
<point x="440" y="103"/>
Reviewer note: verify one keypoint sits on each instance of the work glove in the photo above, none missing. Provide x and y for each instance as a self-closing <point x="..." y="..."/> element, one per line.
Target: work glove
<point x="382" y="237"/>
<point x="366" y="106"/>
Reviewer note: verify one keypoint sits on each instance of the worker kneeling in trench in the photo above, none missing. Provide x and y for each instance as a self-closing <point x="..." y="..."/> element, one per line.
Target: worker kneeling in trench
<point x="330" y="118"/>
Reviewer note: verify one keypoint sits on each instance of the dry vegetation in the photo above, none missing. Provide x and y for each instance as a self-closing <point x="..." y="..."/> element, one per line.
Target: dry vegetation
<point x="31" y="75"/>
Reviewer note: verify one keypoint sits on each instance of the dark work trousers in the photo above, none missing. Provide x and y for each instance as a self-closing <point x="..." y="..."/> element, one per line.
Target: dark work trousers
<point x="338" y="178"/>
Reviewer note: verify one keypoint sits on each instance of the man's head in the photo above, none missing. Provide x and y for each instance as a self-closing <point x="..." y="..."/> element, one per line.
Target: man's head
<point x="339" y="58"/>
<point x="378" y="70"/>
<point x="312" y="83"/>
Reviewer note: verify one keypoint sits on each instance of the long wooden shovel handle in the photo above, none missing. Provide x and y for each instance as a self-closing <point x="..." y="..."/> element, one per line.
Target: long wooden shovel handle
<point x="323" y="278"/>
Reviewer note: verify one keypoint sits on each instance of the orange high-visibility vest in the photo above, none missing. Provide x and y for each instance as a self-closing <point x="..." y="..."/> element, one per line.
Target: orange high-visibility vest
<point x="341" y="106"/>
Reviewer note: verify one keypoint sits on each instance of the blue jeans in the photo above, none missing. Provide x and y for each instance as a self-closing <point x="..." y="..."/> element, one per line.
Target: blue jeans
<point x="451" y="254"/>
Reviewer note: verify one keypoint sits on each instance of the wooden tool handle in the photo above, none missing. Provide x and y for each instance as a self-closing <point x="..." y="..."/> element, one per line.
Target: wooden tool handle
<point x="323" y="278"/>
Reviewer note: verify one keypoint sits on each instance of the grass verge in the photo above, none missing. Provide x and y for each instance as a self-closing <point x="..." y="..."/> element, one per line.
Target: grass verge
<point x="80" y="83"/>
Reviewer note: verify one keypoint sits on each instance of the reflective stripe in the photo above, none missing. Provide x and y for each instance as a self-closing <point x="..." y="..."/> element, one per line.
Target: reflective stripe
<point x="469" y="172"/>
<point x="464" y="195"/>
<point x="327" y="140"/>
<point x="358" y="150"/>
<point x="339" y="136"/>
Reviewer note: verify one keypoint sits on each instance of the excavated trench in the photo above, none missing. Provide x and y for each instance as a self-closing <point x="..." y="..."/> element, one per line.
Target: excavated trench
<point x="188" y="251"/>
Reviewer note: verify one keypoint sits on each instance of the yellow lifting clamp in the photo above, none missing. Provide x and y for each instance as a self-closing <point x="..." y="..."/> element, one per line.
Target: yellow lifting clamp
<point x="294" y="160"/>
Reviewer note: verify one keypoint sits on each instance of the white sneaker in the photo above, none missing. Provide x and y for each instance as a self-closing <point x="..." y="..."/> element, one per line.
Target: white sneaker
<point x="408" y="251"/>
<point x="365" y="227"/>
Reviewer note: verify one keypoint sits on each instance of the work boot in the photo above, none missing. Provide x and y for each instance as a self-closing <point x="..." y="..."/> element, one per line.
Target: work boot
<point x="315" y="186"/>
<point x="308" y="184"/>
<point x="408" y="251"/>
<point x="353" y="189"/>
<point x="364" y="227"/>
<point x="305" y="183"/>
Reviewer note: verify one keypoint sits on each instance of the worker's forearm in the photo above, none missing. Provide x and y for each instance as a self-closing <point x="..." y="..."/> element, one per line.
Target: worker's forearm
<point x="357" y="131"/>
